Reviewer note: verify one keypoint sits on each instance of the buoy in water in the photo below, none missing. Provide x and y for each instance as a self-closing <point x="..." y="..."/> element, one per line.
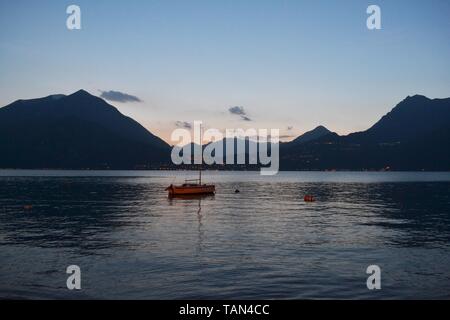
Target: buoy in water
<point x="28" y="207"/>
<point x="309" y="198"/>
<point x="236" y="191"/>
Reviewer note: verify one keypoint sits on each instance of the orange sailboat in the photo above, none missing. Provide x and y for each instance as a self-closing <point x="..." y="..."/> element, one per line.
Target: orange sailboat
<point x="192" y="187"/>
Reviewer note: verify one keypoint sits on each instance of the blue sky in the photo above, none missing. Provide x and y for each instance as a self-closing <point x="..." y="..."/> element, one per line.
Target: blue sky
<point x="287" y="63"/>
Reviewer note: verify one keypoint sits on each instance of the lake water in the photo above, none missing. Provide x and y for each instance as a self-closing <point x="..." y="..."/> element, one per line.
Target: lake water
<point x="132" y="242"/>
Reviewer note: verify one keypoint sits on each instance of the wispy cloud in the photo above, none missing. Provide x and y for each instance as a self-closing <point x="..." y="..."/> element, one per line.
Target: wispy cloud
<point x="286" y="136"/>
<point x="118" y="96"/>
<point x="239" y="111"/>
<point x="183" y="124"/>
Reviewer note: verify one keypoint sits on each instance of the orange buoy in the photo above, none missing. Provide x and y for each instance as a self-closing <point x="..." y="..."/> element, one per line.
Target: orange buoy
<point x="309" y="198"/>
<point x="28" y="207"/>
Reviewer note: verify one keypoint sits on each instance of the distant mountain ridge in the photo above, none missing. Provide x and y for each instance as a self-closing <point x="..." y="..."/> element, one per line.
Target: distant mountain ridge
<point x="82" y="131"/>
<point x="416" y="115"/>
<point x="75" y="131"/>
<point x="312" y="135"/>
<point x="414" y="135"/>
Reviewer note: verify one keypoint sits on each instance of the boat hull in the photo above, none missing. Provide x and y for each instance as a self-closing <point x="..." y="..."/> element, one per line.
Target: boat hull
<point x="191" y="190"/>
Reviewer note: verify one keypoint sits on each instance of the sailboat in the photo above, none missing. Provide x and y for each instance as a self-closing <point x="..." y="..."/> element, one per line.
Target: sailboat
<point x="192" y="186"/>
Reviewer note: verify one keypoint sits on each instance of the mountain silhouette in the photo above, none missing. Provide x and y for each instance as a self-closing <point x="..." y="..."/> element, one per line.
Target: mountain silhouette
<point x="75" y="131"/>
<point x="415" y="135"/>
<point x="81" y="131"/>
<point x="312" y="135"/>
<point x="242" y="148"/>
<point x="411" y="118"/>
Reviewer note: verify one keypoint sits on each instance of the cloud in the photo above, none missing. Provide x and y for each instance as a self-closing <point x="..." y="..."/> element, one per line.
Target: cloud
<point x="239" y="111"/>
<point x="286" y="136"/>
<point x="183" y="124"/>
<point x="118" y="96"/>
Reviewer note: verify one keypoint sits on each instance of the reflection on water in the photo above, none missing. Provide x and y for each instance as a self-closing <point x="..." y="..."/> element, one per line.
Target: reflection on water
<point x="131" y="241"/>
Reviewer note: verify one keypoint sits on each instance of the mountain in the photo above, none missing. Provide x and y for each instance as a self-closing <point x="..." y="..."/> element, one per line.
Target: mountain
<point x="412" y="118"/>
<point x="81" y="131"/>
<point x="75" y="131"/>
<point x="415" y="135"/>
<point x="312" y="135"/>
<point x="241" y="148"/>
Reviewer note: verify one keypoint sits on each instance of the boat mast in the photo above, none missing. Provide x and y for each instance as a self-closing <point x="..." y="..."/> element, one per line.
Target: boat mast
<point x="201" y="157"/>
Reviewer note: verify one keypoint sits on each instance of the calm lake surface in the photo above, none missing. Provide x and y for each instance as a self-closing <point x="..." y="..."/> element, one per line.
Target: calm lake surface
<point x="132" y="242"/>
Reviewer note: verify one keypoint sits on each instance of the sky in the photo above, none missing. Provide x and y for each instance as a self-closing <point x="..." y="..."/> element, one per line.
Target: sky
<point x="291" y="65"/>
